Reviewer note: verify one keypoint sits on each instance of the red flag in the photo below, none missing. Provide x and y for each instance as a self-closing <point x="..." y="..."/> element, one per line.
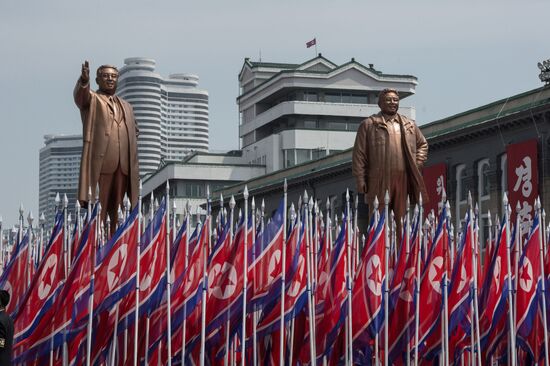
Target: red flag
<point x="14" y="279"/>
<point x="44" y="287"/>
<point x="311" y="43"/>
<point x="431" y="284"/>
<point x="527" y="298"/>
<point x="367" y="293"/>
<point x="115" y="269"/>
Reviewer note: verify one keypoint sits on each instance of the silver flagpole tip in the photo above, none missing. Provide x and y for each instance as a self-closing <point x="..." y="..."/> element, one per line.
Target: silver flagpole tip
<point x="448" y="209"/>
<point x="518" y="206"/>
<point x="285" y="185"/>
<point x="444" y="195"/>
<point x="263" y="205"/>
<point x="221" y="199"/>
<point x="347" y="194"/>
<point x="167" y="184"/>
<point x="97" y="192"/>
<point x="505" y="199"/>
<point x="42" y="218"/>
<point x="356" y="201"/>
<point x="306" y="197"/>
<point x="240" y="214"/>
<point x="470" y="198"/>
<point x="77" y="205"/>
<point x="300" y="202"/>
<point x="328" y="204"/>
<point x="416" y="209"/>
<point x="489" y="220"/>
<point x="208" y="191"/>
<point x="188" y="206"/>
<point x="253" y="203"/>
<point x="376" y="203"/>
<point x="408" y="203"/>
<point x="65" y="200"/>
<point x="232" y="202"/>
<point x="543" y="214"/>
<point x="310" y="203"/>
<point x="30" y="218"/>
<point x="420" y="199"/>
<point x="174" y="206"/>
<point x="245" y="192"/>
<point x="140" y="185"/>
<point x="387" y="198"/>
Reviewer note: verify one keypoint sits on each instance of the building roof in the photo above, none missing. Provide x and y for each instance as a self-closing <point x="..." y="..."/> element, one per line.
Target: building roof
<point x="292" y="68"/>
<point x="486" y="113"/>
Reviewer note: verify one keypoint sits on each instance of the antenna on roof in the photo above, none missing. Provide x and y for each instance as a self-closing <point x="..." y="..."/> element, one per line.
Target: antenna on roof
<point x="260" y="55"/>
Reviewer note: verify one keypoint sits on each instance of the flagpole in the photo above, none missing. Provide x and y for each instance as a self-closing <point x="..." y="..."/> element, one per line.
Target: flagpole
<point x="510" y="288"/>
<point x="283" y="261"/>
<point x="151" y="234"/>
<point x="308" y="210"/>
<point x="255" y="313"/>
<point x="348" y="280"/>
<point x="541" y="251"/>
<point x="376" y="214"/>
<point x="231" y="240"/>
<point x="168" y="280"/>
<point x="91" y="300"/>
<point x="245" y="272"/>
<point x="475" y="244"/>
<point x="445" y="315"/>
<point x="205" y="279"/>
<point x="188" y="231"/>
<point x="417" y="278"/>
<point x="386" y="284"/>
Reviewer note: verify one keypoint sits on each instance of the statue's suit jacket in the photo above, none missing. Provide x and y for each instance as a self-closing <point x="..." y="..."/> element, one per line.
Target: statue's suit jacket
<point x="97" y="119"/>
<point x="370" y="157"/>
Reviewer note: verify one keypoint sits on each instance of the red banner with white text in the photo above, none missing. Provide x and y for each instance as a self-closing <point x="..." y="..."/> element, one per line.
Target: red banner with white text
<point x="435" y="179"/>
<point x="523" y="180"/>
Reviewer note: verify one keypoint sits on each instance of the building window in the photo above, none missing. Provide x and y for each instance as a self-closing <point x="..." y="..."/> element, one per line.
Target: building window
<point x="461" y="193"/>
<point x="311" y="97"/>
<point x="302" y="155"/>
<point x="290" y="158"/>
<point x="484" y="194"/>
<point x="318" y="153"/>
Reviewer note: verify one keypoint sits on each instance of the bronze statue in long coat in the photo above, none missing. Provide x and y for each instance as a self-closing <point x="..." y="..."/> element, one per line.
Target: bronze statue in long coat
<point x="109" y="134"/>
<point x="388" y="154"/>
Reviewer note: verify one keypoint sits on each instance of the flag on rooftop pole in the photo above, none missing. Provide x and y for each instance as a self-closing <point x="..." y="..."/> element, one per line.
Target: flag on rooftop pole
<point x="311" y="43"/>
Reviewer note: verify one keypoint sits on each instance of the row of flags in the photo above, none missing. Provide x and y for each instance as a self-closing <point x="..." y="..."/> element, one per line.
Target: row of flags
<point x="295" y="288"/>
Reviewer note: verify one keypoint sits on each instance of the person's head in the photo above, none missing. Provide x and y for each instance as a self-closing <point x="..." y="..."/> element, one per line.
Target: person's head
<point x="107" y="79"/>
<point x="4" y="298"/>
<point x="388" y="101"/>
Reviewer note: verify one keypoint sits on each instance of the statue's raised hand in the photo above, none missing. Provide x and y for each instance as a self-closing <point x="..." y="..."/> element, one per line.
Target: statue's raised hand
<point x="85" y="75"/>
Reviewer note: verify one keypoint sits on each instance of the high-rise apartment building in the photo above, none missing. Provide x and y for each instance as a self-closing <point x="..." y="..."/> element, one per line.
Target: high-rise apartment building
<point x="171" y="113"/>
<point x="293" y="113"/>
<point x="59" y="171"/>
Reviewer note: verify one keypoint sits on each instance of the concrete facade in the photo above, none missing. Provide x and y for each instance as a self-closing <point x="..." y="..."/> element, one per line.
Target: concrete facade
<point x="59" y="162"/>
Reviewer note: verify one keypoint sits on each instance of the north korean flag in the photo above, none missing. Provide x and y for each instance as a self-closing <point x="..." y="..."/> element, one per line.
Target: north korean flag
<point x="528" y="289"/>
<point x="462" y="281"/>
<point x="368" y="288"/>
<point x="116" y="264"/>
<point x="70" y="310"/>
<point x="431" y="283"/>
<point x="152" y="274"/>
<point x="264" y="270"/>
<point x="336" y="303"/>
<point x="14" y="278"/>
<point x="295" y="295"/>
<point x="402" y="296"/>
<point x="44" y="287"/>
<point x="495" y="288"/>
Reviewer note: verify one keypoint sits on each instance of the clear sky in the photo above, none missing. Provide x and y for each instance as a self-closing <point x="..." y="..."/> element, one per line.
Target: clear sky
<point x="464" y="53"/>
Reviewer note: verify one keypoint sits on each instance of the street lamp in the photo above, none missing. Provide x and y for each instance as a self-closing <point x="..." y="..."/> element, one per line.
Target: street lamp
<point x="544" y="68"/>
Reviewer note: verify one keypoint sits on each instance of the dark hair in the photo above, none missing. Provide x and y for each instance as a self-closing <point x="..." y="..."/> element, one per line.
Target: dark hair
<point x="99" y="69"/>
<point x="386" y="91"/>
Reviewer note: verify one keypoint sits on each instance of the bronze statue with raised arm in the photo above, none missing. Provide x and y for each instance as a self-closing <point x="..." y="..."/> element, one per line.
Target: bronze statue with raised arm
<point x="109" y="134"/>
<point x="389" y="153"/>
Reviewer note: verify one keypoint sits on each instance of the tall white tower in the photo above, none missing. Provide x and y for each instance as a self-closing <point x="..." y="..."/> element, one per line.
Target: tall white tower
<point x="171" y="113"/>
